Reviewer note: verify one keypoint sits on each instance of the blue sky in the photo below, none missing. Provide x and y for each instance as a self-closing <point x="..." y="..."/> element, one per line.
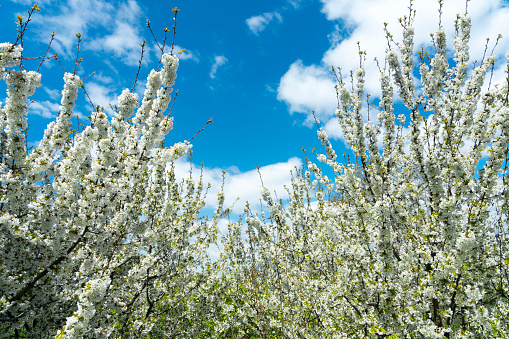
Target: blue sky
<point x="258" y="68"/>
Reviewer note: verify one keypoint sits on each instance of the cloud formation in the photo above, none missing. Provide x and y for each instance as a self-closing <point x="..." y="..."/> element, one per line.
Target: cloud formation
<point x="30" y="2"/>
<point x="102" y="95"/>
<point x="74" y="16"/>
<point x="258" y="23"/>
<point x="306" y="88"/>
<point x="185" y="54"/>
<point x="311" y="87"/>
<point x="219" y="60"/>
<point x="124" y="41"/>
<point x="244" y="186"/>
<point x="45" y="109"/>
<point x="121" y="22"/>
<point x="295" y="3"/>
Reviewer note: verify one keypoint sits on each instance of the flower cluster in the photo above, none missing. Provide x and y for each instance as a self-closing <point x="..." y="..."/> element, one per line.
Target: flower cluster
<point x="97" y="238"/>
<point x="411" y="240"/>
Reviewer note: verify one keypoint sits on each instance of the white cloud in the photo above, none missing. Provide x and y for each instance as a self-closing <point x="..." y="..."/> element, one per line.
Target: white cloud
<point x="185" y="54"/>
<point x="129" y="11"/>
<point x="120" y="22"/>
<point x="295" y="3"/>
<point x="99" y="77"/>
<point x="101" y="95"/>
<point x="258" y="23"/>
<point x="75" y="16"/>
<point x="33" y="144"/>
<point x="30" y="2"/>
<point x="245" y="186"/>
<point x="219" y="60"/>
<point x="54" y="94"/>
<point x="45" y="109"/>
<point x="307" y="88"/>
<point x="124" y="41"/>
<point x="333" y="129"/>
<point x="140" y="88"/>
<point x="270" y="89"/>
<point x="335" y="9"/>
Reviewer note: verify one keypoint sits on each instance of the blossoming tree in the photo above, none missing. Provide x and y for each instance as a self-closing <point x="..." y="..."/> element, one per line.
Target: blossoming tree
<point x="98" y="239"/>
<point x="97" y="236"/>
<point x="408" y="241"/>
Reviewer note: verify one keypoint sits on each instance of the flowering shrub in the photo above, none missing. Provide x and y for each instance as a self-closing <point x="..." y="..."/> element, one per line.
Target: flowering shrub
<point x="415" y="242"/>
<point x="97" y="236"/>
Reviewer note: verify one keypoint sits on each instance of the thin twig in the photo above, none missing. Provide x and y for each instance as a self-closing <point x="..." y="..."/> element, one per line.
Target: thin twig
<point x="317" y="122"/>
<point x="96" y="107"/>
<point x="493" y="64"/>
<point x="47" y="50"/>
<point x="22" y="28"/>
<point x="162" y="48"/>
<point x="139" y="65"/>
<point x="173" y="102"/>
<point x="153" y="36"/>
<point x="208" y="122"/>
<point x="174" y="10"/>
<point x="55" y="56"/>
<point x="78" y="59"/>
